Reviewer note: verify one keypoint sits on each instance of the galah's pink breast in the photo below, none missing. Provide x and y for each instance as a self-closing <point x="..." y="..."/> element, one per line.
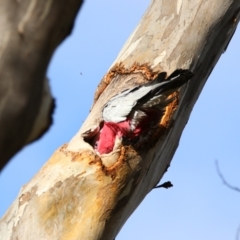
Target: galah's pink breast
<point x="106" y="139"/>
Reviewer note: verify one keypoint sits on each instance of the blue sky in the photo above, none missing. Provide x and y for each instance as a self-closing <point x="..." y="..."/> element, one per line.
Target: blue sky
<point x="199" y="206"/>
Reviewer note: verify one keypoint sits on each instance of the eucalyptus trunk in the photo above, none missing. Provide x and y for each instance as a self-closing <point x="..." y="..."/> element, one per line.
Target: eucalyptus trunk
<point x="79" y="194"/>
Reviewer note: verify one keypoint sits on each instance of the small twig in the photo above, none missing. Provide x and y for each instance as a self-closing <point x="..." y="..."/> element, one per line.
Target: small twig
<point x="238" y="233"/>
<point x="224" y="181"/>
<point x="164" y="185"/>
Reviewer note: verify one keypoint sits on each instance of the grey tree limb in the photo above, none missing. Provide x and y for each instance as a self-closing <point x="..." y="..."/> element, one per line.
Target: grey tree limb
<point x="30" y="32"/>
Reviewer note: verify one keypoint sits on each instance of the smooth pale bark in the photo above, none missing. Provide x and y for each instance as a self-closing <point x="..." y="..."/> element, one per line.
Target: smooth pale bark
<point x="80" y="195"/>
<point x="30" y="32"/>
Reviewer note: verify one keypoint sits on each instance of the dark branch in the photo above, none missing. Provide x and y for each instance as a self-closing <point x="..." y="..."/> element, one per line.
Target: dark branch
<point x="164" y="185"/>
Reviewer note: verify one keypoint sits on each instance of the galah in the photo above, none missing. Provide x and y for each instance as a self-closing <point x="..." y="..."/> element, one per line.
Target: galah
<point x="133" y="112"/>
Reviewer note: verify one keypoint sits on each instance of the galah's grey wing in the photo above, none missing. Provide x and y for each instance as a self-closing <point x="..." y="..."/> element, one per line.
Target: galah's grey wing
<point x="161" y="90"/>
<point x="144" y="97"/>
<point x="119" y="107"/>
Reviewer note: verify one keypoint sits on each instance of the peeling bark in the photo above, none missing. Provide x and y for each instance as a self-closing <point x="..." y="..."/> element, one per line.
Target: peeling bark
<point x="81" y="195"/>
<point x="31" y="30"/>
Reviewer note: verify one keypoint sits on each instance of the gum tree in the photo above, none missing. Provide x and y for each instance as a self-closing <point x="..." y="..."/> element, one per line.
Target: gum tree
<point x="79" y="194"/>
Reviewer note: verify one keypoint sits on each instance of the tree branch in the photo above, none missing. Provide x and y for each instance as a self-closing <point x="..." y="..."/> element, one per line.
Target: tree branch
<point x="224" y="180"/>
<point x="166" y="185"/>
<point x="238" y="233"/>
<point x="79" y="194"/>
<point x="31" y="30"/>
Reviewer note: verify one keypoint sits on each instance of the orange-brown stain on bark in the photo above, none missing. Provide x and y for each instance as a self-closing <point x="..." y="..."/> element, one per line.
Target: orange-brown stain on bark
<point x="119" y="69"/>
